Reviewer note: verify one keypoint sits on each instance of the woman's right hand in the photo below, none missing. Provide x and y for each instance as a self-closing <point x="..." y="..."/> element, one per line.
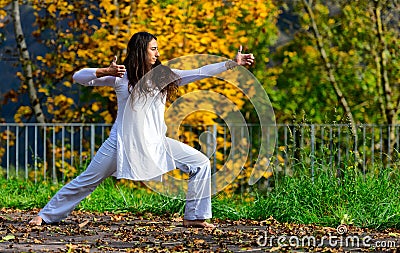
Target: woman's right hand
<point x="244" y="59"/>
<point x="113" y="70"/>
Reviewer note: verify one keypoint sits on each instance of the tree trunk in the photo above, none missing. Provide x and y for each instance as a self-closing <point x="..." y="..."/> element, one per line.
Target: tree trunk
<point x="381" y="60"/>
<point x="27" y="73"/>
<point x="331" y="76"/>
<point x="26" y="63"/>
<point x="328" y="67"/>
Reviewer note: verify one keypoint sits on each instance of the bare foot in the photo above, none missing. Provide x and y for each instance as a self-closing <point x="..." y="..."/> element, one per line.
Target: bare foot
<point x="37" y="221"/>
<point x="197" y="224"/>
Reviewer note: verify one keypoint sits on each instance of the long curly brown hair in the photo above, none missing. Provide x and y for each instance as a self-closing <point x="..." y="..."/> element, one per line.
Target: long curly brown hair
<point x="144" y="77"/>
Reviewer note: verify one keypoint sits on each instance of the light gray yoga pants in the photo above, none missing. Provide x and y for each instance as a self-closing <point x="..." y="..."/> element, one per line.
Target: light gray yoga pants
<point x="103" y="165"/>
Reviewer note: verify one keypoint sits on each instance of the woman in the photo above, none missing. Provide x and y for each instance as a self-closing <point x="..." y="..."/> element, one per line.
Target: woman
<point x="142" y="85"/>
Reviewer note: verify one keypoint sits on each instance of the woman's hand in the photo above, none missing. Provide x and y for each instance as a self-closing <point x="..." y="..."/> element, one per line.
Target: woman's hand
<point x="112" y="70"/>
<point x="244" y="59"/>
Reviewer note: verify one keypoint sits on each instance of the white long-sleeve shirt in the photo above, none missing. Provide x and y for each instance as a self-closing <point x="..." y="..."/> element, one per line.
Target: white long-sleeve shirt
<point x="142" y="150"/>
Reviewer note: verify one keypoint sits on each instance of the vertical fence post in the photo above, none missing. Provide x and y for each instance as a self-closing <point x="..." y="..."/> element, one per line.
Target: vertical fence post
<point x="214" y="167"/>
<point x="80" y="145"/>
<point x="322" y="140"/>
<point x="44" y="152"/>
<point x="8" y="151"/>
<point x="312" y="150"/>
<point x="92" y="141"/>
<point x="381" y="144"/>
<point x="72" y="146"/>
<point x="294" y="142"/>
<point x="347" y="142"/>
<point x="302" y="136"/>
<point x="286" y="146"/>
<point x="102" y="133"/>
<point x="62" y="153"/>
<point x="35" y="154"/>
<point x="388" y="147"/>
<point x="339" y="145"/>
<point x="397" y="139"/>
<point x="356" y="153"/>
<point x="26" y="151"/>
<point x="372" y="146"/>
<point x="54" y="154"/>
<point x="17" y="151"/>
<point x="364" y="149"/>
<point x="251" y="144"/>
<point x="331" y="155"/>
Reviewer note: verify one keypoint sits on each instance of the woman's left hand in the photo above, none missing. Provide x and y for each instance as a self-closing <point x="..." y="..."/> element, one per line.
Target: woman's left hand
<point x="244" y="59"/>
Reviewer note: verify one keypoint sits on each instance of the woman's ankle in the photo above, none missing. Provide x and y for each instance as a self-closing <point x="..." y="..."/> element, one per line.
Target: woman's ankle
<point x="36" y="221"/>
<point x="197" y="223"/>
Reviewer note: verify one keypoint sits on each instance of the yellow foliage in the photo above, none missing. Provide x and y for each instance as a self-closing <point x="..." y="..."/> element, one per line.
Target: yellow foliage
<point x="2" y="151"/>
<point x="60" y="99"/>
<point x="107" y="117"/>
<point x="7" y="137"/>
<point x="182" y="28"/>
<point x="95" y="107"/>
<point x="280" y="158"/>
<point x="23" y="111"/>
<point x="43" y="90"/>
<point x="4" y="3"/>
<point x="67" y="84"/>
<point x="52" y="9"/>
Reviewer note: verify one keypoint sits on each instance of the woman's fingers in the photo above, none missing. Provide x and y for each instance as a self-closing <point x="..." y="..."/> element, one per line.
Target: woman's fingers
<point x="117" y="70"/>
<point x="121" y="70"/>
<point x="246" y="59"/>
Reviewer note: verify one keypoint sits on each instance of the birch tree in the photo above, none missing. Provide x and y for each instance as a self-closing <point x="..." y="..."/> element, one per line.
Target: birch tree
<point x="26" y="62"/>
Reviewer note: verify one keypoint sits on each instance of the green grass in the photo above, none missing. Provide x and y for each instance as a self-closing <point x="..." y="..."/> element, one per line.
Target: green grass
<point x="366" y="201"/>
<point x="369" y="201"/>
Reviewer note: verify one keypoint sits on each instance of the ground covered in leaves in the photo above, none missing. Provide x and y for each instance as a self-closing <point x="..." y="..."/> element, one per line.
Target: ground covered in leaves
<point x="126" y="232"/>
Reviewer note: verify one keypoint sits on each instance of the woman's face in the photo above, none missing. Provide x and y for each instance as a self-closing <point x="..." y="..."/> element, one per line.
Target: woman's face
<point x="152" y="51"/>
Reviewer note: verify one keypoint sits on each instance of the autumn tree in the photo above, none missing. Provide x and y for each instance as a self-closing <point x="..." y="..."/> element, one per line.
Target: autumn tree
<point x="27" y="76"/>
<point x="81" y="34"/>
<point x="340" y="67"/>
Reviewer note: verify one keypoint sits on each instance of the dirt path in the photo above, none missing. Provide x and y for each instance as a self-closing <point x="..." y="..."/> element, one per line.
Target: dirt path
<point x="107" y="232"/>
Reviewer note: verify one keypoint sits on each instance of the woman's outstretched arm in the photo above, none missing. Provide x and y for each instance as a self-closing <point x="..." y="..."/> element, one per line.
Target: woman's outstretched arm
<point x="188" y="76"/>
<point x="100" y="76"/>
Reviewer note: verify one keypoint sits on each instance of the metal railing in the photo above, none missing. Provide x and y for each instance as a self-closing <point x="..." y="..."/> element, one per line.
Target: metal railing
<point x="58" y="151"/>
<point x="47" y="149"/>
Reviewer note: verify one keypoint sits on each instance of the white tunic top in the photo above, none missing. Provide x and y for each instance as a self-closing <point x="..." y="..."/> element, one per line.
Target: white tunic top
<point x="143" y="152"/>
